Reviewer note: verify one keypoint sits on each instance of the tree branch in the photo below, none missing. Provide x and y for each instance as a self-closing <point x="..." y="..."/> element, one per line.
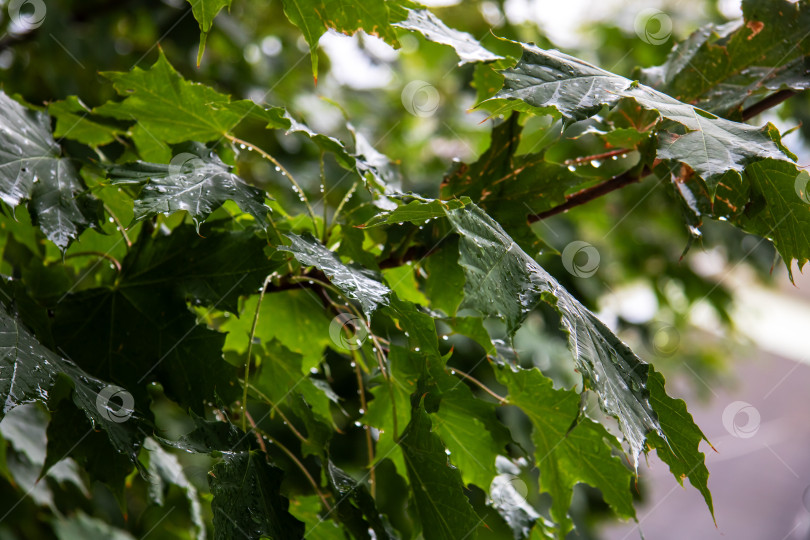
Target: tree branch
<point x="589" y="194"/>
<point x="771" y="101"/>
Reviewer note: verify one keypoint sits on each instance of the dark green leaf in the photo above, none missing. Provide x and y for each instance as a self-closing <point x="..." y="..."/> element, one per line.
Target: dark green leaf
<point x="721" y="68"/>
<point x="355" y="282"/>
<point x="550" y="80"/>
<point x="680" y="453"/>
<point x="503" y="281"/>
<point x="28" y="371"/>
<point x="31" y="168"/>
<point x="247" y="501"/>
<point x="141" y="330"/>
<point x="196" y="181"/>
<point x="355" y="506"/>
<point x="443" y="509"/>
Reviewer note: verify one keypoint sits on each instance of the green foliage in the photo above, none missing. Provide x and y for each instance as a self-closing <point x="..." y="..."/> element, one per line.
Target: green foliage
<point x="307" y="340"/>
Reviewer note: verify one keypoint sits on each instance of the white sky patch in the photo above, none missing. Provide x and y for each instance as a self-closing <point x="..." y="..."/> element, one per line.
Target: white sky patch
<point x="355" y="67"/>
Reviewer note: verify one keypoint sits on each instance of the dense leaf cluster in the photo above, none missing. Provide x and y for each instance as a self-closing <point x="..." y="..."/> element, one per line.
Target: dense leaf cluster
<point x="252" y="315"/>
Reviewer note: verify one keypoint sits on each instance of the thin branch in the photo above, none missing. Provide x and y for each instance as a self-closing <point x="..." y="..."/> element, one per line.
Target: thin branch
<point x="587" y="159"/>
<point x="296" y="461"/>
<point x="284" y="172"/>
<point x="771" y="101"/>
<point x="107" y="256"/>
<point x="589" y="194"/>
<point x="274" y="408"/>
<point x="502" y="400"/>
<point x="119" y="224"/>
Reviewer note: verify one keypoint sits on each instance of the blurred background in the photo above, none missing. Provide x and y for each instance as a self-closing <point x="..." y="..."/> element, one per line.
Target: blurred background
<point x="723" y="322"/>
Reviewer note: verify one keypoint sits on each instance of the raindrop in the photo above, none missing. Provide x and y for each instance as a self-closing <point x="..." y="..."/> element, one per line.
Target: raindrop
<point x="572" y="168"/>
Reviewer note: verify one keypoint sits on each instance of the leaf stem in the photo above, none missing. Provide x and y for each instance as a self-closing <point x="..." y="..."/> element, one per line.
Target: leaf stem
<point x="107" y="256"/>
<point x="119" y="224"/>
<point x="267" y="281"/>
<point x="361" y="391"/>
<point x="340" y="208"/>
<point x="295" y="460"/>
<point x="323" y="199"/>
<point x="502" y="400"/>
<point x="284" y="171"/>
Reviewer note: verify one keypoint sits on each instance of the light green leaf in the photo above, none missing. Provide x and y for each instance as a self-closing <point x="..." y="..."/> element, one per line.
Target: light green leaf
<point x="567" y="453"/>
<point x="205" y="11"/>
<point x="417" y="212"/>
<point x="165" y="470"/>
<point x="314" y="17"/>
<point x="167" y="107"/>
<point x="73" y="121"/>
<point x="468" y="49"/>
